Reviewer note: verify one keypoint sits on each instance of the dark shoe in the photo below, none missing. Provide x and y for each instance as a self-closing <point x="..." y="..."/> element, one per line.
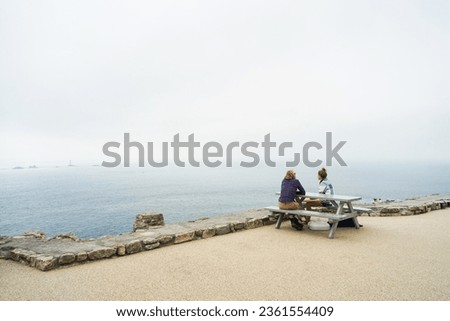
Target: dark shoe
<point x="295" y="223"/>
<point x="297" y="227"/>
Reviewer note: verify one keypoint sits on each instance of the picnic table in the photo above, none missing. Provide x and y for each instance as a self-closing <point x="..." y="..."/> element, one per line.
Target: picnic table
<point x="341" y="209"/>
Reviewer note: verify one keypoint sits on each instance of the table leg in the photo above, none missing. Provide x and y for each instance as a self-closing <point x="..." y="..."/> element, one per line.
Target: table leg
<point x="355" y="219"/>
<point x="280" y="219"/>
<point x="340" y="209"/>
<point x="335" y="205"/>
<point x="333" y="229"/>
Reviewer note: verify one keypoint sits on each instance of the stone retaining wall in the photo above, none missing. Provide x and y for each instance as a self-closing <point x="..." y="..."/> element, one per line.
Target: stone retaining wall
<point x="415" y="206"/>
<point x="35" y="249"/>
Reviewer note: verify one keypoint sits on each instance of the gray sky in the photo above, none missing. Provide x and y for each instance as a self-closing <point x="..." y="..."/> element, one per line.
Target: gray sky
<point x="76" y="74"/>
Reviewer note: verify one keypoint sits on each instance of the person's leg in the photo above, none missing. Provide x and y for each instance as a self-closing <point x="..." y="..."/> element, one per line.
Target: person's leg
<point x="289" y="206"/>
<point x="295" y="222"/>
<point x="310" y="203"/>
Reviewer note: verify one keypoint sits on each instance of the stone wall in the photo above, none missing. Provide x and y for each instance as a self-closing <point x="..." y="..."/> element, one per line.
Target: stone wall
<point x="37" y="250"/>
<point x="407" y="207"/>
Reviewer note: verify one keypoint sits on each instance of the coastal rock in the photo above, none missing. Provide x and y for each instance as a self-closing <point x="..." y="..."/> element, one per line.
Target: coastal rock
<point x="146" y="220"/>
<point x="184" y="237"/>
<point x="204" y="218"/>
<point x="69" y="236"/>
<point x="36" y="234"/>
<point x="46" y="263"/>
<point x="134" y="247"/>
<point x="101" y="253"/>
<point x="66" y="258"/>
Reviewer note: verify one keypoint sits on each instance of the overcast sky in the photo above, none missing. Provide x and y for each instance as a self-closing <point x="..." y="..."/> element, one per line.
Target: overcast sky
<point x="77" y="74"/>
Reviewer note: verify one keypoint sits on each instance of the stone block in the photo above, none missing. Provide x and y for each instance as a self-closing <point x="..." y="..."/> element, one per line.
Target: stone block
<point x="66" y="258"/>
<point x="121" y="251"/>
<point x="223" y="229"/>
<point x="15" y="254"/>
<point x="184" y="237"/>
<point x="146" y="220"/>
<point x="101" y="253"/>
<point x="268" y="220"/>
<point x="209" y="232"/>
<point x="166" y="239"/>
<point x="134" y="247"/>
<point x="21" y="255"/>
<point x="46" y="263"/>
<point x="254" y="223"/>
<point x="82" y="256"/>
<point x="149" y="241"/>
<point x="33" y="260"/>
<point x="236" y="226"/>
<point x="390" y="210"/>
<point x="150" y="244"/>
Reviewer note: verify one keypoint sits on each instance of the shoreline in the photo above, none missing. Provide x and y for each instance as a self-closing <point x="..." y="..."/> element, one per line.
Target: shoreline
<point x="36" y="250"/>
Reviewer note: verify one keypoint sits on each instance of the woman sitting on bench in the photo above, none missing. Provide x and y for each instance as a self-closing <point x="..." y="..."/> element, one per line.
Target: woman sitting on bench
<point x="289" y="187"/>
<point x="325" y="187"/>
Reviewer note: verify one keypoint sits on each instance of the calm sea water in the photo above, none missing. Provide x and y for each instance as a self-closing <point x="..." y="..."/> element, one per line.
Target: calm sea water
<point x="93" y="201"/>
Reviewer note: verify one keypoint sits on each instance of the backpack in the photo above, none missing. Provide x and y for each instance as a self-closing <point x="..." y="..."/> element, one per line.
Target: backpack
<point x="346" y="223"/>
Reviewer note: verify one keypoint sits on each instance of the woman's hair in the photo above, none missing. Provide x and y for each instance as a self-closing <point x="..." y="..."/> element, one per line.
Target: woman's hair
<point x="322" y="173"/>
<point x="290" y="174"/>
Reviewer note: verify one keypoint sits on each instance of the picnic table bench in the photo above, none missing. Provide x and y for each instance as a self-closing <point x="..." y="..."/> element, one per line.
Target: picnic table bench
<point x="341" y="209"/>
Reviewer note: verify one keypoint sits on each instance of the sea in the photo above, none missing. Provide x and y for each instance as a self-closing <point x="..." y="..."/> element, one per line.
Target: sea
<point x="92" y="201"/>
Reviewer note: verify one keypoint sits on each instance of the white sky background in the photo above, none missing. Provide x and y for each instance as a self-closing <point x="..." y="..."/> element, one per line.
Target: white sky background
<point x="76" y="74"/>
